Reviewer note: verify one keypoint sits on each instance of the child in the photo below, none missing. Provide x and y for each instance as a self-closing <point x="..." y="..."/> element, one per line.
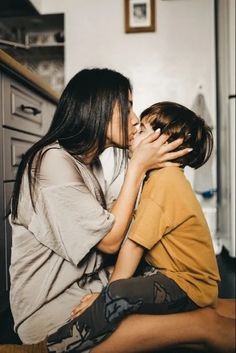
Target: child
<point x="170" y="230"/>
<point x="170" y="227"/>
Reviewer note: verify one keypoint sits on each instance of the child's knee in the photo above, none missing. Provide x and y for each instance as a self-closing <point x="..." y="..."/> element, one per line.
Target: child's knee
<point x="120" y="301"/>
<point x="119" y="288"/>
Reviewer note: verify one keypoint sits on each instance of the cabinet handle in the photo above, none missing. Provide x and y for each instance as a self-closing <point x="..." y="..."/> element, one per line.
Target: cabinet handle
<point x="26" y="108"/>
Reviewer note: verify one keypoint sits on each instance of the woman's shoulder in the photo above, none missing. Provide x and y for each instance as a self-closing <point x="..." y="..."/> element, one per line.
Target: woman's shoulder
<point x="55" y="154"/>
<point x="58" y="166"/>
<point x="53" y="149"/>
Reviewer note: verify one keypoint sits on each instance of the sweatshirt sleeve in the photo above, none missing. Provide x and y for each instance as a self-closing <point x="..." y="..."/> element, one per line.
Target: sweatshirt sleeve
<point x="69" y="220"/>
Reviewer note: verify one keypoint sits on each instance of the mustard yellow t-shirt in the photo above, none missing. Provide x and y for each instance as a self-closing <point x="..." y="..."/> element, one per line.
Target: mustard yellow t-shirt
<point x="170" y="223"/>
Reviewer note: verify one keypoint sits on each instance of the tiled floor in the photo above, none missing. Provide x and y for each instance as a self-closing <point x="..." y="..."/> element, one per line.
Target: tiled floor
<point x="227" y="290"/>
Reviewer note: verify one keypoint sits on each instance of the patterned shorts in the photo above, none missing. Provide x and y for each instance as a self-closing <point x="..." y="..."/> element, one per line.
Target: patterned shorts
<point x="150" y="292"/>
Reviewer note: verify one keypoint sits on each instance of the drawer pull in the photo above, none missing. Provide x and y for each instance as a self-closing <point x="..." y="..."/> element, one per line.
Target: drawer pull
<point x="27" y="108"/>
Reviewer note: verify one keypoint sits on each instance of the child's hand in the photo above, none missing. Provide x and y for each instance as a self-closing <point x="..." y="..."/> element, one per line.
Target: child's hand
<point x="85" y="303"/>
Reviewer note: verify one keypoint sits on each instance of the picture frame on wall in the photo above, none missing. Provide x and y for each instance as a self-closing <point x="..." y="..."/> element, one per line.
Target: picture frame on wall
<point x="139" y="16"/>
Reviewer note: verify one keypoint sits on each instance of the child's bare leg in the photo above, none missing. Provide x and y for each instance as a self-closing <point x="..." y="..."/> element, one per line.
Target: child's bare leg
<point x="147" y="333"/>
<point x="226" y="307"/>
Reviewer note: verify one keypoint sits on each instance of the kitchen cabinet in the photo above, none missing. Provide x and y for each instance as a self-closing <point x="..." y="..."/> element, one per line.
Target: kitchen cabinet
<point x="17" y="8"/>
<point x="27" y="105"/>
<point x="37" y="42"/>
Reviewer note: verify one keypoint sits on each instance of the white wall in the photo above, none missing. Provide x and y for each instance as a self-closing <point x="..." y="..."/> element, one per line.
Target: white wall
<point x="168" y="64"/>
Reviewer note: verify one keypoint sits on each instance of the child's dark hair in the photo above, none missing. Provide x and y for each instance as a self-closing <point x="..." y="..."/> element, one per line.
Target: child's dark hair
<point x="178" y="121"/>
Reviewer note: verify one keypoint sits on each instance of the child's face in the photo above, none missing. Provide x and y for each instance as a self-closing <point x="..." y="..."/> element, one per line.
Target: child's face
<point x="144" y="130"/>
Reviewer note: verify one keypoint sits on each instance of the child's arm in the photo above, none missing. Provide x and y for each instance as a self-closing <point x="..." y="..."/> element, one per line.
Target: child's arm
<point x="128" y="259"/>
<point x="126" y="264"/>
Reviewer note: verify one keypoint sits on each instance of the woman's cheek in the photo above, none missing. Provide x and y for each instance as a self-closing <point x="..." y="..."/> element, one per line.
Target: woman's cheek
<point x="136" y="141"/>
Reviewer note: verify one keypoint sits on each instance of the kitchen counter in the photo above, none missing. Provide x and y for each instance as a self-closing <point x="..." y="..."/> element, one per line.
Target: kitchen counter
<point x="27" y="106"/>
<point x="13" y="67"/>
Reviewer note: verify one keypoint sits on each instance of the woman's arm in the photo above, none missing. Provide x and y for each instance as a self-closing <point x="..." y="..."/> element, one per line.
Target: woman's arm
<point x="122" y="210"/>
<point x="129" y="257"/>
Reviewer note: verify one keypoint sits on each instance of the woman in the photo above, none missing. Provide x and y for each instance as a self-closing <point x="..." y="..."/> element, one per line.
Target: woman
<point x="61" y="217"/>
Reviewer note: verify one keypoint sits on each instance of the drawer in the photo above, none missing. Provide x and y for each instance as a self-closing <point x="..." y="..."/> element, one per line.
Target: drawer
<point x="15" y="144"/>
<point x="23" y="110"/>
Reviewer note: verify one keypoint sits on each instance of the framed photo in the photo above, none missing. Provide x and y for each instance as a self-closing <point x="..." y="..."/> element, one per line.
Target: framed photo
<point x="139" y="16"/>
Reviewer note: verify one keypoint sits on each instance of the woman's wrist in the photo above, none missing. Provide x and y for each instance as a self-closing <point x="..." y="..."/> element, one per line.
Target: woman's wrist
<point x="135" y="172"/>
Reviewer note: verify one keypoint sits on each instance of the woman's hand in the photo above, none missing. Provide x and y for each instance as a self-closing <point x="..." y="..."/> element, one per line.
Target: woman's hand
<point x="151" y="150"/>
<point x="85" y="303"/>
<point x="144" y="131"/>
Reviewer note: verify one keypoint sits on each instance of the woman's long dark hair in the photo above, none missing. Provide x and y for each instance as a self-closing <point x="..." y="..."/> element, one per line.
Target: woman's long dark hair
<point x="80" y="122"/>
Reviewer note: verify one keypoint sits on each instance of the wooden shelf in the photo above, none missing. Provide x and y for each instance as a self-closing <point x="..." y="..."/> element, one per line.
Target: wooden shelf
<point x="48" y="45"/>
<point x="11" y="64"/>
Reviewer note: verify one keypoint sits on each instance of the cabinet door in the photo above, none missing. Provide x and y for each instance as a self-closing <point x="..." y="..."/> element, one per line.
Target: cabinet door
<point x="3" y="299"/>
<point x="25" y="116"/>
<point x="8" y="188"/>
<point x="15" y="145"/>
<point x="5" y="247"/>
<point x="24" y="110"/>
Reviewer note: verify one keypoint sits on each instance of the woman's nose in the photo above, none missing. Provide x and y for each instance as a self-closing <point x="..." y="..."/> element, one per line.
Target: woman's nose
<point x="134" y="120"/>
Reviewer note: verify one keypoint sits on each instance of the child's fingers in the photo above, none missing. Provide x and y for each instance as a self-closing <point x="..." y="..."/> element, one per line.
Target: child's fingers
<point x="77" y="311"/>
<point x="85" y="302"/>
<point x="86" y="297"/>
<point x="73" y="313"/>
<point x="79" y="307"/>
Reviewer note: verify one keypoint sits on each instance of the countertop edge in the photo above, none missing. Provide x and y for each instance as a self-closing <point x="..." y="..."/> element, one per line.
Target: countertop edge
<point x="32" y="78"/>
